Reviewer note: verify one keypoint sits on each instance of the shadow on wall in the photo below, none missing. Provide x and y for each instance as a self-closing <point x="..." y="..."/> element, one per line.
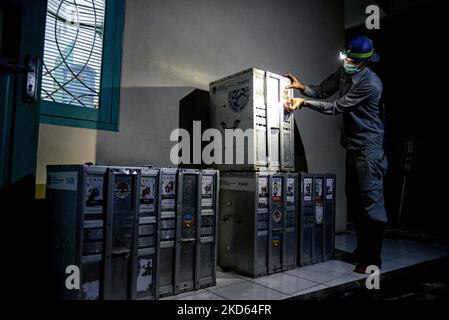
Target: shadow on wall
<point x="194" y="107"/>
<point x="300" y="154"/>
<point x="148" y="115"/>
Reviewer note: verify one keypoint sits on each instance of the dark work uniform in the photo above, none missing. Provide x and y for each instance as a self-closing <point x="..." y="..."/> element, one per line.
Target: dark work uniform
<point x="362" y="137"/>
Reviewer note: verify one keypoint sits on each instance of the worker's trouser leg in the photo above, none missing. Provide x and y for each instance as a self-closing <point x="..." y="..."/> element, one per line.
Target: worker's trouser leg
<point x="365" y="202"/>
<point x="353" y="204"/>
<point x="374" y="239"/>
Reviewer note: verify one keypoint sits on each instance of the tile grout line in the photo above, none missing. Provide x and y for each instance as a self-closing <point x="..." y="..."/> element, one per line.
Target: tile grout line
<point x="297" y="278"/>
<point x="260" y="285"/>
<point x="328" y="270"/>
<point x="300" y="294"/>
<point x="354" y="280"/>
<point x="285" y="273"/>
<point x="304" y="278"/>
<point x="217" y="294"/>
<point x="332" y="279"/>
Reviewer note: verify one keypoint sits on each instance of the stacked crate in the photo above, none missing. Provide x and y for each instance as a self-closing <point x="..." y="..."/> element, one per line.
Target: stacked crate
<point x="264" y="209"/>
<point x="257" y="228"/>
<point x="258" y="202"/>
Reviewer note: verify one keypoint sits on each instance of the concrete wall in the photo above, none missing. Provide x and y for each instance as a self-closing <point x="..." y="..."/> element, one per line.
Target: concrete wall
<point x="172" y="46"/>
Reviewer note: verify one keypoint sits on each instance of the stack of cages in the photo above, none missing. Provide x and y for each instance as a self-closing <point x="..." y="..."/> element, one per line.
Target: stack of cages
<point x="257" y="227"/>
<point x="187" y="227"/>
<point x="133" y="233"/>
<point x="94" y="212"/>
<point x="316" y="223"/>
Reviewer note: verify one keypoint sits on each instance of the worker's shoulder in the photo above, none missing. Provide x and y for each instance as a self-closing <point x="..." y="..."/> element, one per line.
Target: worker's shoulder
<point x="372" y="77"/>
<point x="372" y="80"/>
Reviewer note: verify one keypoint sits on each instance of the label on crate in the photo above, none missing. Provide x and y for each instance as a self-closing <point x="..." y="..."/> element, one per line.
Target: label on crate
<point x="207" y="189"/>
<point x="329" y="189"/>
<point x="168" y="186"/>
<point x="147" y="194"/>
<point x="290" y="190"/>
<point x="319" y="212"/>
<point x="263" y="190"/>
<point x="144" y="277"/>
<point x="122" y="190"/>
<point x="259" y="88"/>
<point x="308" y="189"/>
<point x="94" y="193"/>
<point x="276" y="240"/>
<point x="276" y="189"/>
<point x="63" y="181"/>
<point x="237" y="184"/>
<point x="319" y="189"/>
<point x="168" y="191"/>
<point x="187" y="220"/>
<point x="167" y="204"/>
<point x="238" y="99"/>
<point x="277" y="216"/>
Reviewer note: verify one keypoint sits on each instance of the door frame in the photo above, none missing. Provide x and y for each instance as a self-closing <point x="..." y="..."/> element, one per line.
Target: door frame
<point x="24" y="126"/>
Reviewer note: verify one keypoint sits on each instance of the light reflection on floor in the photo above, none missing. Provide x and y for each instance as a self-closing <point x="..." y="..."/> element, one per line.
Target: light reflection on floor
<point x="396" y="254"/>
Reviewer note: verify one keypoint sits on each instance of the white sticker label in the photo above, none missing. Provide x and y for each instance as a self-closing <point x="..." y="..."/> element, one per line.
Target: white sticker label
<point x="94" y="194"/>
<point x="207" y="187"/>
<point x="308" y="189"/>
<point x="239" y="184"/>
<point x="263" y="190"/>
<point x="319" y="189"/>
<point x="168" y="204"/>
<point x="319" y="213"/>
<point x="63" y="180"/>
<point x="259" y="88"/>
<point x="168" y="185"/>
<point x="145" y="277"/>
<point x="147" y="193"/>
<point x="290" y="190"/>
<point x="276" y="190"/>
<point x="329" y="189"/>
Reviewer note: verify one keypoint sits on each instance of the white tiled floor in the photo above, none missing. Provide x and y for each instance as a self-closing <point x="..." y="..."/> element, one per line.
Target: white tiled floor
<point x="396" y="254"/>
<point x="285" y="283"/>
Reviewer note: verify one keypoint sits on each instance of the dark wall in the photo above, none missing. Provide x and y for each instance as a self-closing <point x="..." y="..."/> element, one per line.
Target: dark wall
<point x="413" y="70"/>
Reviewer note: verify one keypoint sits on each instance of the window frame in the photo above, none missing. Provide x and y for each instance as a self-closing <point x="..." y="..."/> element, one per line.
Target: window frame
<point x="105" y="117"/>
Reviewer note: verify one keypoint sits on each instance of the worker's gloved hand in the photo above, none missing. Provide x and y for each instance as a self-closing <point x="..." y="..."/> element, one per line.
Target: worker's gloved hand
<point x="296" y="84"/>
<point x="294" y="104"/>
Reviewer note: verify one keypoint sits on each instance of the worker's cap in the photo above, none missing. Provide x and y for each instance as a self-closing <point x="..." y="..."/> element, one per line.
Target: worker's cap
<point x="361" y="48"/>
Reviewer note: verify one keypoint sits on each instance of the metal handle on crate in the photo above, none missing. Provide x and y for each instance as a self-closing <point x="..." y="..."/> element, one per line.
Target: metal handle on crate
<point x="119" y="252"/>
<point x="236" y="124"/>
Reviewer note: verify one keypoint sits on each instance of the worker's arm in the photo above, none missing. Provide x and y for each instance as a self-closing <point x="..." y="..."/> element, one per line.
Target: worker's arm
<point x="323" y="91"/>
<point x="347" y="103"/>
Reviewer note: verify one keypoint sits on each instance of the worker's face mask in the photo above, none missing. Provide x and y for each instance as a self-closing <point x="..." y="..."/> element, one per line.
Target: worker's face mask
<point x="351" y="68"/>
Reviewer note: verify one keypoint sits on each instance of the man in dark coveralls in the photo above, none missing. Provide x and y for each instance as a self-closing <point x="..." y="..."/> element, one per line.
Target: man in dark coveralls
<point x="360" y="91"/>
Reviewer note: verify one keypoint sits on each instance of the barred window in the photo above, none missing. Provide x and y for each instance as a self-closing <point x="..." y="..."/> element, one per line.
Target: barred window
<point x="73" y="52"/>
<point x="81" y="63"/>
